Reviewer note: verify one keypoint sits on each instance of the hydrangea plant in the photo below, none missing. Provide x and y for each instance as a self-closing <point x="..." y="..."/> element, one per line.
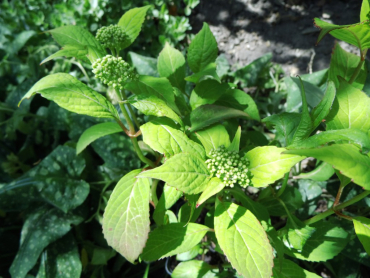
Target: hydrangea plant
<point x="195" y="145"/>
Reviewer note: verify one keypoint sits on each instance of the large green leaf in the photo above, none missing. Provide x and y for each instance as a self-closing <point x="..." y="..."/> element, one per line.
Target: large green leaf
<point x="240" y="100"/>
<point x="131" y="23"/>
<point x="61" y="259"/>
<point x="207" y="92"/>
<point x="349" y="135"/>
<point x="288" y="269"/>
<point x="172" y="239"/>
<point x="297" y="232"/>
<point x="213" y="137"/>
<point x="285" y="125"/>
<point x="344" y="157"/>
<point x="194" y="268"/>
<point x="208" y="114"/>
<point x="243" y="240"/>
<point x="202" y="50"/>
<point x="73" y="95"/>
<point x="319" y="113"/>
<point x="168" y="198"/>
<point x="154" y="106"/>
<point x="126" y="217"/>
<point x="344" y="64"/>
<point x="163" y="137"/>
<point x="171" y="64"/>
<point x="42" y="227"/>
<point x="209" y="72"/>
<point x="362" y="228"/>
<point x="357" y="34"/>
<point x="95" y="132"/>
<point x="148" y="86"/>
<point x="321" y="173"/>
<point x="351" y="109"/>
<point x="186" y="172"/>
<point x="235" y="144"/>
<point x="268" y="164"/>
<point x="324" y="244"/>
<point x="76" y="50"/>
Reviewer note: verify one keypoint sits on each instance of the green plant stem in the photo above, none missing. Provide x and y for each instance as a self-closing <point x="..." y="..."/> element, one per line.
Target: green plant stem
<point x="124" y="97"/>
<point x="154" y="192"/>
<point x="359" y="66"/>
<point x="132" y="133"/>
<point x="283" y="186"/>
<point x="330" y="211"/>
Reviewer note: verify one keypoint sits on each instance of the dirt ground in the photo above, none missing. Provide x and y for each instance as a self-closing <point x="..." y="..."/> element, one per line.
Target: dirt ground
<point x="247" y="29"/>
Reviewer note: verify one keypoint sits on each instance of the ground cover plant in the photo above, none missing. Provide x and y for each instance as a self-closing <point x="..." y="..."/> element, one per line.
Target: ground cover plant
<point x="207" y="180"/>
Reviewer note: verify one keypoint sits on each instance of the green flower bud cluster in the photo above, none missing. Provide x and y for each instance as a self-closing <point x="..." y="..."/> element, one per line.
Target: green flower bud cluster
<point x="229" y="167"/>
<point x="113" y="71"/>
<point x="112" y="37"/>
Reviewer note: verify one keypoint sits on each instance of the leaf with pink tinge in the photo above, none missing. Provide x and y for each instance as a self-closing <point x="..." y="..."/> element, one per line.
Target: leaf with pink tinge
<point x="126" y="218"/>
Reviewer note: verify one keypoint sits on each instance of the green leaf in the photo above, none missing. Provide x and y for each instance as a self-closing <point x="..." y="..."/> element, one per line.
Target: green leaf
<point x="209" y="72"/>
<point x="168" y="198"/>
<point x="288" y="269"/>
<point x="285" y="125"/>
<point x="148" y="86"/>
<point x="189" y="212"/>
<point x="19" y="41"/>
<point x="268" y="164"/>
<point x="324" y="244"/>
<point x="243" y="240"/>
<point x="163" y="137"/>
<point x="171" y="64"/>
<point x="346" y="158"/>
<point x="101" y="256"/>
<point x="235" y="144"/>
<point x="61" y="259"/>
<point x="126" y="217"/>
<point x="362" y="228"/>
<point x="76" y="50"/>
<point x="207" y="92"/>
<point x="189" y="255"/>
<point x="291" y="197"/>
<point x="344" y="64"/>
<point x="202" y="50"/>
<point x="321" y="173"/>
<point x="77" y="36"/>
<point x="214" y="186"/>
<point x="95" y="132"/>
<point x="356" y="34"/>
<point x="213" y="137"/>
<point x="248" y="75"/>
<point x="154" y="106"/>
<point x="319" y="113"/>
<point x="223" y="65"/>
<point x="298" y="233"/>
<point x="294" y="101"/>
<point x="131" y="23"/>
<point x="208" y="114"/>
<point x="42" y="227"/>
<point x="365" y="10"/>
<point x="144" y="65"/>
<point x="305" y="125"/>
<point x="240" y="100"/>
<point x="186" y="172"/>
<point x="172" y="239"/>
<point x="73" y="95"/>
<point x="349" y="135"/>
<point x="351" y="109"/>
<point x="194" y="268"/>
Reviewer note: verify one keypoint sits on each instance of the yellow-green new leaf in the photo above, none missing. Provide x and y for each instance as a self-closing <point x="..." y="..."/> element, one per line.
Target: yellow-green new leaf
<point x="214" y="186"/>
<point x="126" y="217"/>
<point x="186" y="172"/>
<point x="268" y="164"/>
<point x="362" y="228"/>
<point x="243" y="240"/>
<point x="73" y="95"/>
<point x="214" y="137"/>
